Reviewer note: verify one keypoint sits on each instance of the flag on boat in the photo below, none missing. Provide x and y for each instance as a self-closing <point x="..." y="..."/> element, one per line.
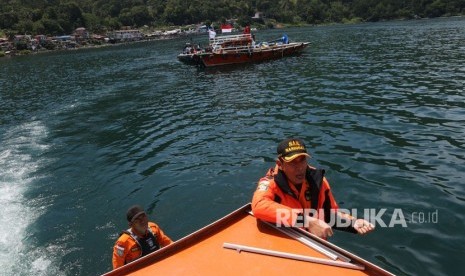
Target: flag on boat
<point x="226" y="28"/>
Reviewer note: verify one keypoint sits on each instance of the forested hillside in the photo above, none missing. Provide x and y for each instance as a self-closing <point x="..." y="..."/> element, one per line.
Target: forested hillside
<point x="53" y="17"/>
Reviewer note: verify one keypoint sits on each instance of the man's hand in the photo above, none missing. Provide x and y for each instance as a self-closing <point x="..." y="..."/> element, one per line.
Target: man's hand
<point x="318" y="227"/>
<point x="362" y="226"/>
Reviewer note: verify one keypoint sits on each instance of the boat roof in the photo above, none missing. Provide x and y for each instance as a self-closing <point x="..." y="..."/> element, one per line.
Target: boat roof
<point x="206" y="252"/>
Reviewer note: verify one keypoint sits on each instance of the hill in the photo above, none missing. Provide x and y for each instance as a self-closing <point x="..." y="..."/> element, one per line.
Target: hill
<point x="57" y="17"/>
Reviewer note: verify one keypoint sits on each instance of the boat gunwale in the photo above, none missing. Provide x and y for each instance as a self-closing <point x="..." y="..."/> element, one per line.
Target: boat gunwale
<point x="218" y="225"/>
<point x="352" y="256"/>
<point x="184" y="242"/>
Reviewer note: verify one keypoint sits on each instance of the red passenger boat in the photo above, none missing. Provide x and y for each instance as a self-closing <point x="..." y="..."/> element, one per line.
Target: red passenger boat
<point x="235" y="49"/>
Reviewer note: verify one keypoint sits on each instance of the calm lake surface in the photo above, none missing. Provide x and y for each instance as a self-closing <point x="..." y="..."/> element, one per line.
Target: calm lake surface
<point x="85" y="134"/>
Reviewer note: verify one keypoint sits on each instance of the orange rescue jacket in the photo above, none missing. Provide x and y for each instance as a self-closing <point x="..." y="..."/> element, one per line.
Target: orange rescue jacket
<point x="126" y="249"/>
<point x="274" y="196"/>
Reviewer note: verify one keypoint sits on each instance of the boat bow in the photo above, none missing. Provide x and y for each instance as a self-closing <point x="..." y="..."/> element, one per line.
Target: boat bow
<point x="206" y="251"/>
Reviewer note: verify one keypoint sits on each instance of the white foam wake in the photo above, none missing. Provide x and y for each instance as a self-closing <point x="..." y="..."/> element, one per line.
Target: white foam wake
<point x="21" y="148"/>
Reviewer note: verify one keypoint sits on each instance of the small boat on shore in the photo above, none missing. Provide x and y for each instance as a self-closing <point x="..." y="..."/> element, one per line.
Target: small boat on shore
<point x="236" y="49"/>
<point x="239" y="244"/>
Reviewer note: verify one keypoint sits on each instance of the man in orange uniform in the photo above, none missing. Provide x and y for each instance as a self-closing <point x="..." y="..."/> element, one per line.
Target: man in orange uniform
<point x="142" y="238"/>
<point x="296" y="194"/>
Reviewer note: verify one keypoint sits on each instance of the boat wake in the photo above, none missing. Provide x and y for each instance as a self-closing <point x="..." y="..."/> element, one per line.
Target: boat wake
<point x="20" y="159"/>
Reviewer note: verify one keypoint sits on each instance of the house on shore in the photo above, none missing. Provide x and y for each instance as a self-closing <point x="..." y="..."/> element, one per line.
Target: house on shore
<point x="125" y="36"/>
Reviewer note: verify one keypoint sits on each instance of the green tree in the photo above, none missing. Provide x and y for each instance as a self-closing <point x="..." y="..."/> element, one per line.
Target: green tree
<point x="360" y="8"/>
<point x="38" y="28"/>
<point x="112" y="23"/>
<point x="63" y="16"/>
<point x="93" y="23"/>
<point x="70" y="17"/>
<point x="435" y="9"/>
<point x="125" y="17"/>
<point x="338" y="12"/>
<point x="24" y="27"/>
<point x="314" y="13"/>
<point x="52" y="27"/>
<point x="175" y="12"/>
<point x="8" y="20"/>
<point x="419" y="7"/>
<point x="36" y="14"/>
<point x="141" y="16"/>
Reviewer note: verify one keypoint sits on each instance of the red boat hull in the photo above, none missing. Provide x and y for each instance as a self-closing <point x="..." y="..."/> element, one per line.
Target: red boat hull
<point x="251" y="55"/>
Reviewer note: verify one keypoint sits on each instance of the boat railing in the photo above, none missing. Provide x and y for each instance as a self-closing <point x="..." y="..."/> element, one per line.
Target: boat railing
<point x="251" y="47"/>
<point x="230" y="38"/>
<point x="232" y="49"/>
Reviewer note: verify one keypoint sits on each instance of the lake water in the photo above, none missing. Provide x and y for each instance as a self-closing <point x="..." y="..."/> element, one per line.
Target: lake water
<point x="85" y="134"/>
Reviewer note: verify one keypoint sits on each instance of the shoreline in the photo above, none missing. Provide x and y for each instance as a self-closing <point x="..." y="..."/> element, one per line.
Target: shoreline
<point x="17" y="53"/>
<point x="76" y="46"/>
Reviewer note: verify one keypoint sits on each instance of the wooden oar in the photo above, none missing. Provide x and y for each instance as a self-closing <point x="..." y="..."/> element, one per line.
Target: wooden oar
<point x="291" y="256"/>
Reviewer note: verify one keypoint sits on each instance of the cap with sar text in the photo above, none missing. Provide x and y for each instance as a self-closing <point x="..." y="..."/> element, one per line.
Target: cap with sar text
<point x="291" y="148"/>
